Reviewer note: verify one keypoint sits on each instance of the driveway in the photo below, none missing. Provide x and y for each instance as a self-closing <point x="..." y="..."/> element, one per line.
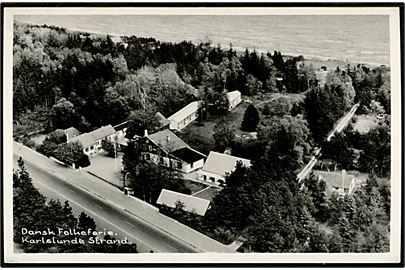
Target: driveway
<point x="107" y="169"/>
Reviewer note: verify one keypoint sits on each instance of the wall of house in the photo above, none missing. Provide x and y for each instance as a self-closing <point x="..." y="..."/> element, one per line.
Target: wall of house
<point x="187" y="167"/>
<point x="95" y="148"/>
<point x="210" y="177"/>
<point x="233" y="103"/>
<point x="184" y="122"/>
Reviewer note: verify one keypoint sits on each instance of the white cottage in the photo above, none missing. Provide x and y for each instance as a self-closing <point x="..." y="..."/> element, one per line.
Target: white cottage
<point x="234" y="99"/>
<point x="218" y="166"/>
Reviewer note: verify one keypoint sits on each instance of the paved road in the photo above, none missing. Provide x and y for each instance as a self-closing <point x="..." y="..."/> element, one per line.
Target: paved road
<point x="111" y="209"/>
<point x="342" y="123"/>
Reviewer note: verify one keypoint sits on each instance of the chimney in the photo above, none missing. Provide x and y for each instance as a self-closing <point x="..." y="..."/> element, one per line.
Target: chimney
<point x="168" y="138"/>
<point x="145" y="134"/>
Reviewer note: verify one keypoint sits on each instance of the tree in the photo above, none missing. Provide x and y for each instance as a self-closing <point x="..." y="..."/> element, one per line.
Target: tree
<point x="109" y="147"/>
<point x="224" y="133"/>
<point x="323" y="107"/>
<point x="339" y="149"/>
<point x="33" y="211"/>
<point x="141" y="120"/>
<point x="278" y="107"/>
<point x="297" y="138"/>
<point x="70" y="153"/>
<point x="85" y="222"/>
<point x="64" y="114"/>
<point x="316" y="190"/>
<point x="376" y="155"/>
<point x="250" y="119"/>
<point x="342" y="81"/>
<point x="51" y="142"/>
<point x="253" y="85"/>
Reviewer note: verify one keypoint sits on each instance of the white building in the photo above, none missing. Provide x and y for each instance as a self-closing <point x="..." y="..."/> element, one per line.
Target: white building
<point x="91" y="142"/>
<point x="218" y="166"/>
<point x="191" y="204"/>
<point x="234" y="99"/>
<point x="165" y="148"/>
<point x="339" y="182"/>
<point x="185" y="116"/>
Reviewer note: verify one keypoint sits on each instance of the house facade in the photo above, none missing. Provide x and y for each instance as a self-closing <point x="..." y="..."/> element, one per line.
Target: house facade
<point x="339" y="182"/>
<point x="168" y="150"/>
<point x="234" y="98"/>
<point x="218" y="166"/>
<point x="91" y="142"/>
<point x="185" y="116"/>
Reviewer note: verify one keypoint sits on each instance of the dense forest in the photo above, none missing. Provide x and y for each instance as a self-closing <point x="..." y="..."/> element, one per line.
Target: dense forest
<point x="65" y="79"/>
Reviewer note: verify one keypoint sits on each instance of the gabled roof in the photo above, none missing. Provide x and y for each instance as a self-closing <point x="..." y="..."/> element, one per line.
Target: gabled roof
<point x="162" y="120"/>
<point x="232" y="95"/>
<point x="72" y="132"/>
<point x="191" y="204"/>
<point x="221" y="163"/>
<point x="167" y="141"/>
<point x="188" y="155"/>
<point x="89" y="139"/>
<point x="335" y="179"/>
<point x="186" y="111"/>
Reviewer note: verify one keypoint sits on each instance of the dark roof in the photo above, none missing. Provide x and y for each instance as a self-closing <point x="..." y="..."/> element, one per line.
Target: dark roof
<point x="188" y="155"/>
<point x="121" y="125"/>
<point x="167" y="141"/>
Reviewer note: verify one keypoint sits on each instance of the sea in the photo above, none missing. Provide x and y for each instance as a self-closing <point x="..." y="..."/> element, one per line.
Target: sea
<point x="348" y="38"/>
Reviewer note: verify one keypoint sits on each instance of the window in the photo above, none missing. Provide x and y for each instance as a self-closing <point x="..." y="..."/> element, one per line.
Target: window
<point x="179" y="165"/>
<point x="149" y="147"/>
<point x="92" y="147"/>
<point x="161" y="160"/>
<point x="346" y="190"/>
<point x="205" y="178"/>
<point x="212" y="179"/>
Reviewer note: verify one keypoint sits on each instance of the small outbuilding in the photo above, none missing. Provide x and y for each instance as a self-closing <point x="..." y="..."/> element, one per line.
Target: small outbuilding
<point x="190" y="203"/>
<point x="234" y="98"/>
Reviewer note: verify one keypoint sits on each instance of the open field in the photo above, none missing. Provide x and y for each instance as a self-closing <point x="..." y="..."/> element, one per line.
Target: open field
<point x="364" y="123"/>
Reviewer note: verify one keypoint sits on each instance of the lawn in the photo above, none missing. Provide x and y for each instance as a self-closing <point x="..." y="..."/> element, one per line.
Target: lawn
<point x="201" y="137"/>
<point x="208" y="194"/>
<point x="194" y="186"/>
<point x="364" y="123"/>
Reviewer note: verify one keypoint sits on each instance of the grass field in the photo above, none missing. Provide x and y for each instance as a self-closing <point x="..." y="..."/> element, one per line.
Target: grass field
<point x="201" y="137"/>
<point x="364" y="123"/>
<point x="208" y="194"/>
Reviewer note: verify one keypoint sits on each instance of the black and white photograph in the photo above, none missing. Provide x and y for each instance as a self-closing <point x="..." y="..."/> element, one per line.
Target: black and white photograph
<point x="202" y="134"/>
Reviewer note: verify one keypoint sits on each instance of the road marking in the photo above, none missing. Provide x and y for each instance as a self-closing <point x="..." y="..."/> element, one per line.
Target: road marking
<point x="168" y="245"/>
<point x="99" y="206"/>
<point x="130" y="224"/>
<point x="70" y="190"/>
<point x="100" y="217"/>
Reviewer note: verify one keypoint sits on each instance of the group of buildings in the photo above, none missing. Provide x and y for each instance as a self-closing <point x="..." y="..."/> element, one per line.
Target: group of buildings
<point x="167" y="149"/>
